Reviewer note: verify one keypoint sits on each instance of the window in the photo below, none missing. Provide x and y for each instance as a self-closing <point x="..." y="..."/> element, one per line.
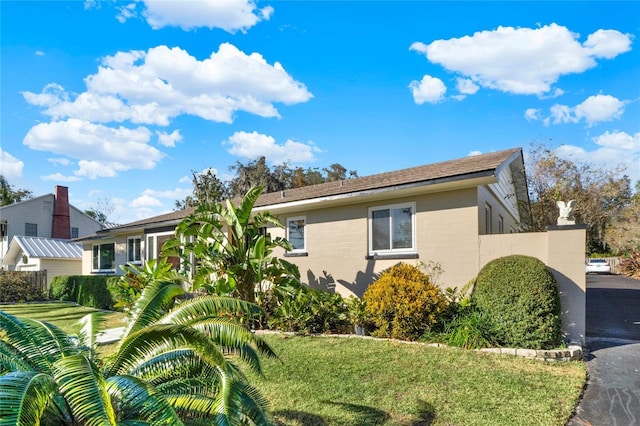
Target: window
<point x="391" y="229"/>
<point x="74" y="232"/>
<point x="500" y="224"/>
<point x="104" y="257"/>
<point x="295" y="233"/>
<point x="134" y="250"/>
<point x="31" y="229"/>
<point x="487" y="219"/>
<point x="154" y="247"/>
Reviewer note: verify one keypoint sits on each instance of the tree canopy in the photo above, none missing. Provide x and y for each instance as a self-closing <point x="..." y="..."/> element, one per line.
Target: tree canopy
<point x="10" y="195"/>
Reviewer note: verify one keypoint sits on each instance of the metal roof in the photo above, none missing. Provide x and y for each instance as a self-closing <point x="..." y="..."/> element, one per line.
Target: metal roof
<point x="48" y="247"/>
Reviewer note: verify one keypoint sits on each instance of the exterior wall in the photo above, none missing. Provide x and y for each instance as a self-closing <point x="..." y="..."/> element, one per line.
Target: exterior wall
<point x="498" y="208"/>
<point x="562" y="250"/>
<point x="120" y="258"/>
<point x="39" y="210"/>
<point x="58" y="267"/>
<point x="337" y="241"/>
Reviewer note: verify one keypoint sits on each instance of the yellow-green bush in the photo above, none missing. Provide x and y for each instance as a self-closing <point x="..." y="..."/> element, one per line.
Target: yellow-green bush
<point x="403" y="303"/>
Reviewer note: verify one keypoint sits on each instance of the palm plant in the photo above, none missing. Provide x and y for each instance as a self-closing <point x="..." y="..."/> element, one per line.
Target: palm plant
<point x="232" y="250"/>
<point x="172" y="365"/>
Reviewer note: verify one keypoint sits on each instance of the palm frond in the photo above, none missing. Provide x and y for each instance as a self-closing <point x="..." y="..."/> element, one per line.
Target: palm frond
<point x="171" y="364"/>
<point x="243" y="212"/>
<point x="24" y="337"/>
<point x="54" y="342"/>
<point x="138" y="347"/>
<point x="24" y="396"/>
<point x="12" y="360"/>
<point x="149" y="307"/>
<point x="84" y="388"/>
<point x="90" y="326"/>
<point x="238" y="402"/>
<point x="193" y="309"/>
<point x="141" y="401"/>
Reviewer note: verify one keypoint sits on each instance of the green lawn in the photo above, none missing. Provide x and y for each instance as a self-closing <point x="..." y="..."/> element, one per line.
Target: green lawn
<point x="63" y="314"/>
<point x="337" y="381"/>
<point x="356" y="382"/>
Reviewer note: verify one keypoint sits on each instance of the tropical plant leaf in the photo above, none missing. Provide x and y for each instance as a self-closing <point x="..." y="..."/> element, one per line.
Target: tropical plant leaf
<point x="12" y="360"/>
<point x="141" y="401"/>
<point x="90" y="325"/>
<point x="206" y="306"/>
<point x="24" y="396"/>
<point x="150" y="306"/>
<point x="84" y="388"/>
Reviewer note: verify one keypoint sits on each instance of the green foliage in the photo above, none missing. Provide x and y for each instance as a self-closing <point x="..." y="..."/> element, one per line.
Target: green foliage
<point x="127" y="289"/>
<point x="15" y="287"/>
<point x="403" y="303"/>
<point x="233" y="253"/>
<point x="91" y="291"/>
<point x="471" y="329"/>
<point x="308" y="310"/>
<point x="170" y="366"/>
<point x="520" y="294"/>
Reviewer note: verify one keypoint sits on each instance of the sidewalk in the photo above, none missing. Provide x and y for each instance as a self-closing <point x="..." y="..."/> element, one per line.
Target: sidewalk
<point x="109" y="336"/>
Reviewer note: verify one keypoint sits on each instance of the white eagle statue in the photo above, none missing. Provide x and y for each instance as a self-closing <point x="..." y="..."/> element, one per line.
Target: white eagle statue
<point x="566" y="213"/>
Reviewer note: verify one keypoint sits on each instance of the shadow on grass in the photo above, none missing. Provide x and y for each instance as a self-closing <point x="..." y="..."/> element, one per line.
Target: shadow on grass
<point x="426" y="414"/>
<point x="300" y="417"/>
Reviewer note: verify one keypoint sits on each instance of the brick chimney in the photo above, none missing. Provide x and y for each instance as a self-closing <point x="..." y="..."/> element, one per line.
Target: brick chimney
<point x="61" y="226"/>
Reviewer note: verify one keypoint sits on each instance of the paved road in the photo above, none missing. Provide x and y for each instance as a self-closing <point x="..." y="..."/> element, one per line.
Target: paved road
<point x="612" y="395"/>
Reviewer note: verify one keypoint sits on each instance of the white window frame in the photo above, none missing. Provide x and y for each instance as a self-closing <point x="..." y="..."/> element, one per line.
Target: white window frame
<point x="131" y="259"/>
<point x="304" y="233"/>
<point x="500" y="224"/>
<point x="154" y="252"/>
<point x="391" y="250"/>
<point x="99" y="269"/>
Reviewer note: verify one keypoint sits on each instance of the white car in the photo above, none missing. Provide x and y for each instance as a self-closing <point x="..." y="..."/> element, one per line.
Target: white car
<point x="598" y="266"/>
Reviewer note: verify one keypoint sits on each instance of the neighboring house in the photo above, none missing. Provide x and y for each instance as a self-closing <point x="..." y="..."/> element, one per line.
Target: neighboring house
<point x="346" y="232"/>
<point x="48" y="216"/>
<point x="56" y="256"/>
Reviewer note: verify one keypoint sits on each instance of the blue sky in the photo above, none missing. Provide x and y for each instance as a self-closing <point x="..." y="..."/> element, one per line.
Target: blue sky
<point x="121" y="101"/>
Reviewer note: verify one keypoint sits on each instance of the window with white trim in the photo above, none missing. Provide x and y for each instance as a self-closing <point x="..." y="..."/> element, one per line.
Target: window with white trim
<point x="500" y="224"/>
<point x="134" y="250"/>
<point x="154" y="243"/>
<point x="104" y="257"/>
<point x="296" y="233"/>
<point x="30" y="229"/>
<point x="392" y="229"/>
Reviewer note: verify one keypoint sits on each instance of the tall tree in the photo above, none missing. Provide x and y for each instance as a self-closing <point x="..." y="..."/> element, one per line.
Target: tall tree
<point x="253" y="174"/>
<point x="207" y="189"/>
<point x="10" y="195"/>
<point x="101" y="210"/>
<point x="599" y="194"/>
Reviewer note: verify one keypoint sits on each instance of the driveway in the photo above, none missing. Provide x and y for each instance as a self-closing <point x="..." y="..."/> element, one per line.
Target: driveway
<point x="612" y="394"/>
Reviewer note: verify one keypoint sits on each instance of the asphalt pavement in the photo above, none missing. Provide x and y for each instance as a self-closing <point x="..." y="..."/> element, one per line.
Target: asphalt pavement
<point x="612" y="394"/>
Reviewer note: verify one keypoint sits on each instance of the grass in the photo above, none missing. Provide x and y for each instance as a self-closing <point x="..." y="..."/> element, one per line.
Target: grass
<point x="322" y="381"/>
<point x="63" y="314"/>
<point x="337" y="381"/>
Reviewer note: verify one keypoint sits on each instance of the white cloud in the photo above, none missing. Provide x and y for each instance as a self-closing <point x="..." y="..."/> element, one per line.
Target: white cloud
<point x="185" y="179"/>
<point x="11" y="166"/>
<point x="59" y="177"/>
<point x="118" y="149"/>
<point x="466" y="86"/>
<point x="254" y="145"/>
<point x="615" y="149"/>
<point x="59" y="161"/>
<point x="170" y="194"/>
<point x="523" y="60"/>
<point x="474" y="153"/>
<point x="229" y="15"/>
<point x="532" y="114"/>
<point x="145" y="201"/>
<point x="155" y="86"/>
<point x="429" y="89"/>
<point x="169" y="139"/>
<point x="39" y="53"/>
<point x="593" y="110"/>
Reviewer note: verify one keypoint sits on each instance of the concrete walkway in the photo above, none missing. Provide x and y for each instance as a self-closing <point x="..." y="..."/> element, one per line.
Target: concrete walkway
<point x="109" y="336"/>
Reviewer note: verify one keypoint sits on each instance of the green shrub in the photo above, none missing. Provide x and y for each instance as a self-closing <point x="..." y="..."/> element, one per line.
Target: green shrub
<point x="310" y="311"/>
<point x="90" y="291"/>
<point x="403" y="303"/>
<point x="15" y="287"/>
<point x="472" y="329"/>
<point x="520" y="295"/>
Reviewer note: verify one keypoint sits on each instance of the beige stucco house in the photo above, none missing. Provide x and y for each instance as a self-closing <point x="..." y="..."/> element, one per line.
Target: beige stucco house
<point x="459" y="214"/>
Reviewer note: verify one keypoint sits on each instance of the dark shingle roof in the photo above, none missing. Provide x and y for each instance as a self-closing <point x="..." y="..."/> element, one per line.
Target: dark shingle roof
<point x="459" y="168"/>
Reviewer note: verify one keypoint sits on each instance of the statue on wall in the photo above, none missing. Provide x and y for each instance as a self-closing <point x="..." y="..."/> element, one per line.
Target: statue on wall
<point x="566" y="213"/>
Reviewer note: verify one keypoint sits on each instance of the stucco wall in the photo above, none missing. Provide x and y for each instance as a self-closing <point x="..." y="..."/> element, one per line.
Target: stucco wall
<point x="562" y="250"/>
<point x="58" y="267"/>
<point x="337" y="241"/>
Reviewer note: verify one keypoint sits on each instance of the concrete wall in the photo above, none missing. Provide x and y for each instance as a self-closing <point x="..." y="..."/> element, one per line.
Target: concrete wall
<point x="562" y="250"/>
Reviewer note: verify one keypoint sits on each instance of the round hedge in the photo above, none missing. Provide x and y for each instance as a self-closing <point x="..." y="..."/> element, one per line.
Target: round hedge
<point x="403" y="303"/>
<point x="520" y="294"/>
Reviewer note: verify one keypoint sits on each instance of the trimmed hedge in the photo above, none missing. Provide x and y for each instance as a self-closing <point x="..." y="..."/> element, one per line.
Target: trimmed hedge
<point x="90" y="291"/>
<point x="521" y="296"/>
<point x="403" y="303"/>
<point x="15" y="287"/>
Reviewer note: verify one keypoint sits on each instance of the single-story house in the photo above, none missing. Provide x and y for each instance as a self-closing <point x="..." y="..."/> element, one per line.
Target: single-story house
<point x="56" y="256"/>
<point x="345" y="233"/>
